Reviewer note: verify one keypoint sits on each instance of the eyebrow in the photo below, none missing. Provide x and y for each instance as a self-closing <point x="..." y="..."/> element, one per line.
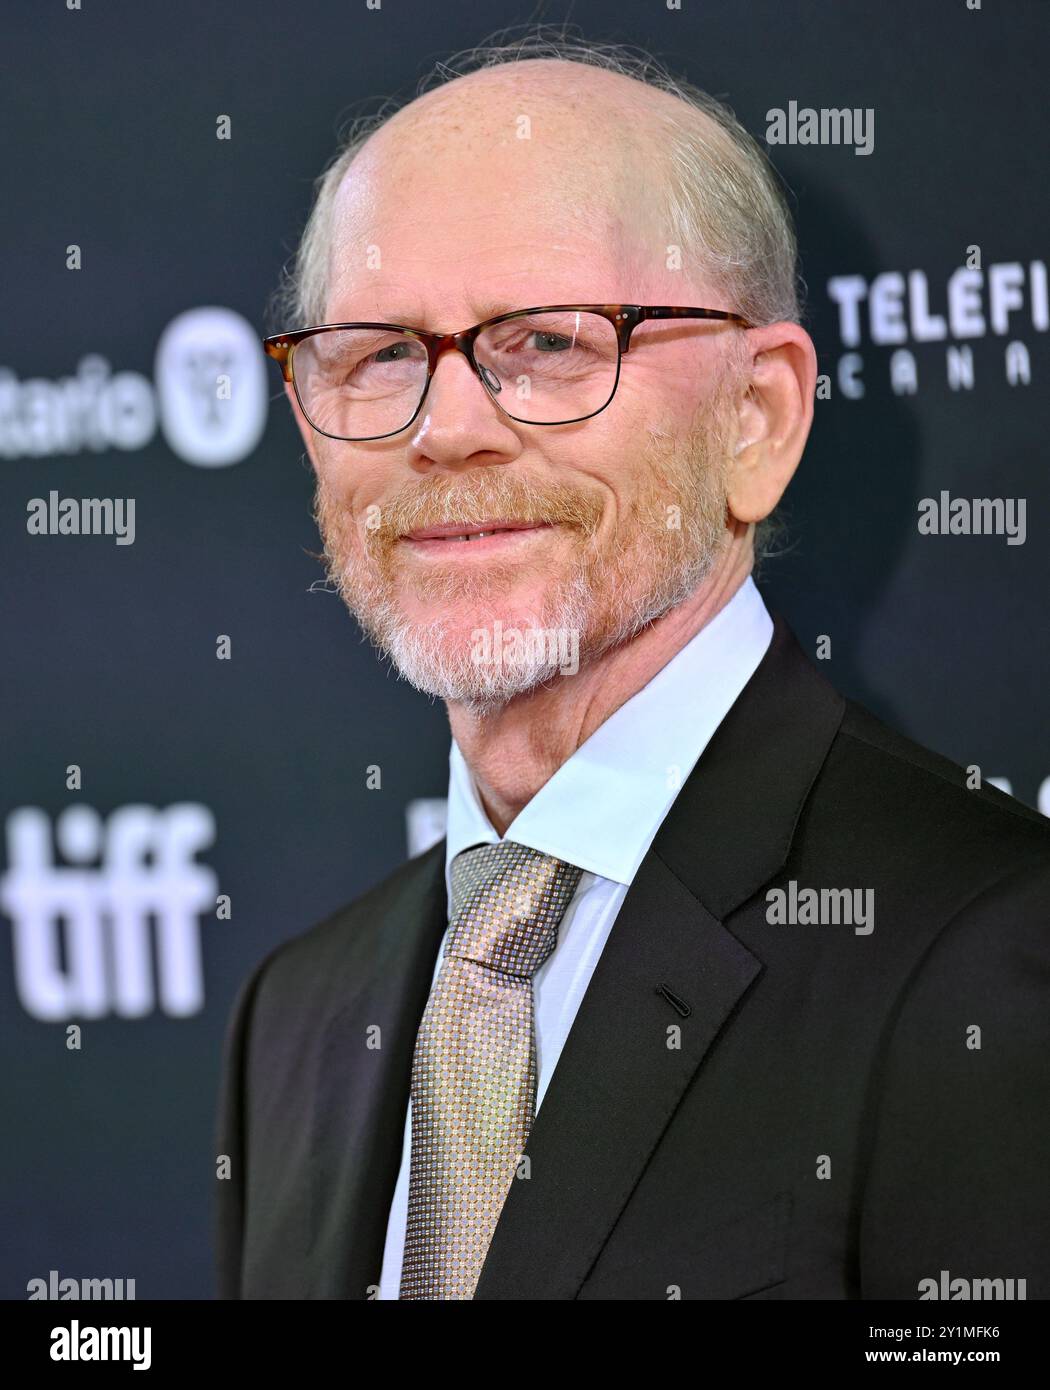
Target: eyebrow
<point x="490" y="308"/>
<point x="486" y="309"/>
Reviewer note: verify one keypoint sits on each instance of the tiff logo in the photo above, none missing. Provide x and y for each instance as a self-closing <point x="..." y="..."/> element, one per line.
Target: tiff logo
<point x="89" y="938"/>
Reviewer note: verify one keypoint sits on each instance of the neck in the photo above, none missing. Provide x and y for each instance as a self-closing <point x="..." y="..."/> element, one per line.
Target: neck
<point x="515" y="750"/>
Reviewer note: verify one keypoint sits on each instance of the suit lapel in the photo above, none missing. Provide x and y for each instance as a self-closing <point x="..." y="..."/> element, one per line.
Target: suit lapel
<point x="617" y="1083"/>
<point x="360" y="1093"/>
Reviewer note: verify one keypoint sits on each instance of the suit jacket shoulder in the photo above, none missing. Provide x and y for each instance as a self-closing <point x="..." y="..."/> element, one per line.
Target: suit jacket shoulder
<point x="297" y="1047"/>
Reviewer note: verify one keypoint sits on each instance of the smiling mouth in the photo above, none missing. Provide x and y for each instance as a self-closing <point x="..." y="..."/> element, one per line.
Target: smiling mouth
<point x="473" y="535"/>
<point x="491" y="532"/>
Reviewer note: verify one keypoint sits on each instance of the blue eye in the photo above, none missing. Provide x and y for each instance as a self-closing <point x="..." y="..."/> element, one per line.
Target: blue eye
<point x="394" y="347"/>
<point x="547" y="340"/>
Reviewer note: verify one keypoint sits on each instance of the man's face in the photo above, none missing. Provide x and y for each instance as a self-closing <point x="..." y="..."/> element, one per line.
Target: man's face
<point x="619" y="517"/>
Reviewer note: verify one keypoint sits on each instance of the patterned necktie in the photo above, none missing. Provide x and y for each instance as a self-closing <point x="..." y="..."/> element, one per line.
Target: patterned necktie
<point x="474" y="1067"/>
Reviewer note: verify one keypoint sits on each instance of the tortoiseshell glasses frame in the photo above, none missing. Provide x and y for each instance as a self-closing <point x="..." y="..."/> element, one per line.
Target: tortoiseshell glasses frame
<point x="624" y="318"/>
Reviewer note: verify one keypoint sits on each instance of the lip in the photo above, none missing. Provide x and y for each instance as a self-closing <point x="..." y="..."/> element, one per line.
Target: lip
<point x="445" y="541"/>
<point x="452" y="529"/>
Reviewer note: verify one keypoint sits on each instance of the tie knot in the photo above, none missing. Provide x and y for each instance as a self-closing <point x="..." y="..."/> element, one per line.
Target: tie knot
<point x="507" y="903"/>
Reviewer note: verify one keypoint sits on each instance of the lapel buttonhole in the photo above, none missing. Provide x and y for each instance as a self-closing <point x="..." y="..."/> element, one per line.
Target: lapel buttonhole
<point x="678" y="1004"/>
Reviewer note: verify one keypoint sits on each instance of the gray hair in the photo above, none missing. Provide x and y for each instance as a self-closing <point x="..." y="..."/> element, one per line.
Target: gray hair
<point x="725" y="204"/>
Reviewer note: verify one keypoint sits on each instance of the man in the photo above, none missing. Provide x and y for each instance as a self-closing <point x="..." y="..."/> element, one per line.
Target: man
<point x="717" y="988"/>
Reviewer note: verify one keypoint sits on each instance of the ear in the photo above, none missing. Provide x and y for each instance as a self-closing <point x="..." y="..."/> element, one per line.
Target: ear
<point x="774" y="417"/>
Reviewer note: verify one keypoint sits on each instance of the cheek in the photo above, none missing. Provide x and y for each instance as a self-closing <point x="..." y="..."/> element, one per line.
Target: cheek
<point x="595" y="463"/>
<point x="352" y="487"/>
<point x="622" y="452"/>
<point x="675" y="370"/>
<point x="663" y="398"/>
<point x="344" y="503"/>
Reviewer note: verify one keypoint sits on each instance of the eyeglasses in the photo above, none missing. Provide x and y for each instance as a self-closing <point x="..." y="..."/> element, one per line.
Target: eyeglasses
<point x="553" y="365"/>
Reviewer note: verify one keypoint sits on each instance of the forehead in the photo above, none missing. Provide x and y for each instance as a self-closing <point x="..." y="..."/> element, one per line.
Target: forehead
<point x="437" y="215"/>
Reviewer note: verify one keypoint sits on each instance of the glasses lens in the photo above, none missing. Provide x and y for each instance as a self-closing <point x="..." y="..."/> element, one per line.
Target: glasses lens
<point x="550" y="368"/>
<point x="356" y="383"/>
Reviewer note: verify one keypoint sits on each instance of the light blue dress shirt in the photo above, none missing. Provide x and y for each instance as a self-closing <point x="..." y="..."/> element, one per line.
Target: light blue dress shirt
<point x="601" y="810"/>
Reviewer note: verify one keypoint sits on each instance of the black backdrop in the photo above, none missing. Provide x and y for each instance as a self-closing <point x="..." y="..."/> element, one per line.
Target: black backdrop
<point x="256" y="766"/>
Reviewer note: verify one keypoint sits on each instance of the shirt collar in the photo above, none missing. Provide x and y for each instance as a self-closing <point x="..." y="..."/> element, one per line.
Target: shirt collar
<point x="602" y="808"/>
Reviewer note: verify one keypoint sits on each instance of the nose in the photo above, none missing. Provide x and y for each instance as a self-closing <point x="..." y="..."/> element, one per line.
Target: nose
<point x="459" y="420"/>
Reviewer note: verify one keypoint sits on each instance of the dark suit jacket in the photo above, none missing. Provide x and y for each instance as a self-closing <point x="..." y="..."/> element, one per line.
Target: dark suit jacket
<point x="826" y="1128"/>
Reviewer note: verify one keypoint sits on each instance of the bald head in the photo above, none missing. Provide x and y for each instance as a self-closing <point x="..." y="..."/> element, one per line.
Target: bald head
<point x="543" y="155"/>
<point x="657" y="171"/>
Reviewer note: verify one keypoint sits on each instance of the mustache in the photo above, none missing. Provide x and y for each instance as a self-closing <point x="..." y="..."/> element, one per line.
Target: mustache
<point x="482" y="495"/>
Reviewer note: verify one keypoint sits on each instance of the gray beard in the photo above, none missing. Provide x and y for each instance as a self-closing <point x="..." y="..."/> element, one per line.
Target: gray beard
<point x="423" y="655"/>
<point x="605" y="601"/>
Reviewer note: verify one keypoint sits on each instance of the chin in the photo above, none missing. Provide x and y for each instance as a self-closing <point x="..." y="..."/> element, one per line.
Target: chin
<point x="479" y="658"/>
<point x="458" y="617"/>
